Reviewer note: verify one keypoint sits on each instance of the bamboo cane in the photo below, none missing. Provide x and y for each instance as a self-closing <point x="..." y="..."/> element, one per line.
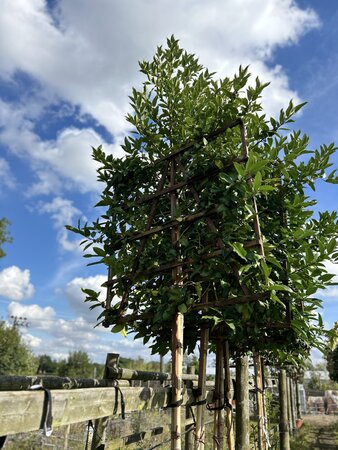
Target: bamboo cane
<point x="283" y="417"/>
<point x="259" y="397"/>
<point x="242" y="404"/>
<point x="227" y="394"/>
<point x="202" y="370"/>
<point x="219" y="398"/>
<point x="177" y="333"/>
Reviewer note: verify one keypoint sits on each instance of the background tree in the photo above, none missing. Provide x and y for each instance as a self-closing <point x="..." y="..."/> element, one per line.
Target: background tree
<point x="47" y="365"/>
<point x="331" y="353"/>
<point x="77" y="365"/>
<point x="4" y="235"/>
<point x="15" y="356"/>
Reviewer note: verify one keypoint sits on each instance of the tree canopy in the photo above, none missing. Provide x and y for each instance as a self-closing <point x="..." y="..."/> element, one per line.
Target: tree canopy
<point x="15" y="356"/>
<point x="182" y="104"/>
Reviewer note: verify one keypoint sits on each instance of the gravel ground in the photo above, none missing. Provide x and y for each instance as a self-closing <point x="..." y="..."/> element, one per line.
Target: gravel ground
<point x="319" y="432"/>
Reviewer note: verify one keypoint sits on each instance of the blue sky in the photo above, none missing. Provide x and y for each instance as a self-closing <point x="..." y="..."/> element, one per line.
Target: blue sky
<point x="66" y="69"/>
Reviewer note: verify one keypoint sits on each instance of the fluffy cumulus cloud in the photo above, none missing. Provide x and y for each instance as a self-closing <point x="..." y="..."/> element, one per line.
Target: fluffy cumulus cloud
<point x="104" y="58"/>
<point x="40" y="317"/>
<point x="15" y="283"/>
<point x="89" y="60"/>
<point x="64" y="163"/>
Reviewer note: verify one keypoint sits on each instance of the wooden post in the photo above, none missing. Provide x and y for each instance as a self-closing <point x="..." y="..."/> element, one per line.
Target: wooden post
<point x="100" y="425"/>
<point x="242" y="404"/>
<point x="298" y="414"/>
<point x="200" y="409"/>
<point x="177" y="360"/>
<point x="227" y="394"/>
<point x="177" y="331"/>
<point x="292" y="405"/>
<point x="262" y="444"/>
<point x="219" y="397"/>
<point x="284" y="436"/>
<point x="189" y="436"/>
<point x="288" y="392"/>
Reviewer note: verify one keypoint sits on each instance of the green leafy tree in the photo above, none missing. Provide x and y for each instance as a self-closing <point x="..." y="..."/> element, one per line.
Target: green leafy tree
<point x="331" y="353"/>
<point x="47" y="365"/>
<point x="4" y="235"/>
<point x="181" y="101"/>
<point x="77" y="365"/>
<point x="15" y="357"/>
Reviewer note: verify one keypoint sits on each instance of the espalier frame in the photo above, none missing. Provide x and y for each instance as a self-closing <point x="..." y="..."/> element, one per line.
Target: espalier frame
<point x="170" y="186"/>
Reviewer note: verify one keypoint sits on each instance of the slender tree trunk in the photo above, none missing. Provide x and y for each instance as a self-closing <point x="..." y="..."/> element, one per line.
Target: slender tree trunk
<point x="283" y="412"/>
<point x="242" y="404"/>
<point x="227" y="394"/>
<point x="288" y="392"/>
<point x="292" y="405"/>
<point x="260" y="401"/>
<point x="297" y="400"/>
<point x="189" y="436"/>
<point x="219" y="394"/>
<point x="202" y="373"/>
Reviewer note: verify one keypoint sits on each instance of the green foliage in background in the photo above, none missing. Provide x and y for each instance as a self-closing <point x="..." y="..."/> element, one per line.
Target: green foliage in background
<point x="15" y="356"/>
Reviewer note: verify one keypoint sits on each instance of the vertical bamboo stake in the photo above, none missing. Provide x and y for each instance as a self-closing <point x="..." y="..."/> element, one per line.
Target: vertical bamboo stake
<point x="219" y="395"/>
<point x="177" y="332"/>
<point x="242" y="404"/>
<point x="259" y="397"/>
<point x="265" y="414"/>
<point x="284" y="437"/>
<point x="227" y="394"/>
<point x="202" y="371"/>
<point x="292" y="405"/>
<point x="189" y="441"/>
<point x="288" y="393"/>
<point x="298" y="414"/>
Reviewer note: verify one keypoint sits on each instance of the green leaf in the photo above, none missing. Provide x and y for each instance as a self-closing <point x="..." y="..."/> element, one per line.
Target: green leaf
<point x="257" y="181"/>
<point x="182" y="308"/>
<point x="239" y="249"/>
<point x="267" y="188"/>
<point x="280" y="287"/>
<point x="99" y="251"/>
<point x="240" y="169"/>
<point x="117" y="328"/>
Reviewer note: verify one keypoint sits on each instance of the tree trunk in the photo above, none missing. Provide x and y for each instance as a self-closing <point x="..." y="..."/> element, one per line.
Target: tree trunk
<point x="242" y="404"/>
<point x="219" y="398"/>
<point x="283" y="412"/>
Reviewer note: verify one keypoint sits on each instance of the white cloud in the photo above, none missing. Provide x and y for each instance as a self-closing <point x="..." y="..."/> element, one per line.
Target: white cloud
<point x="32" y="341"/>
<point x="38" y="315"/>
<point x="62" y="212"/>
<point x="15" y="283"/>
<point x="7" y="178"/>
<point x="61" y="164"/>
<point x="94" y="66"/>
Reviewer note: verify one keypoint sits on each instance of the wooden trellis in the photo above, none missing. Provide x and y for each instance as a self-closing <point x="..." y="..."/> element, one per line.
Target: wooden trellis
<point x="170" y="185"/>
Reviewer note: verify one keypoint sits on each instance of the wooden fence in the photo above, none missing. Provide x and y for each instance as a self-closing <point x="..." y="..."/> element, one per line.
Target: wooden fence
<point x="72" y="401"/>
